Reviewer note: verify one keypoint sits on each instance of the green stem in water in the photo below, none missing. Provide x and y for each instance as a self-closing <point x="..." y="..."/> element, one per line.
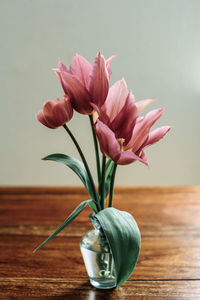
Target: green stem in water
<point x="103" y="170"/>
<point x="85" y="164"/>
<point x="112" y="186"/>
<point x="96" y="151"/>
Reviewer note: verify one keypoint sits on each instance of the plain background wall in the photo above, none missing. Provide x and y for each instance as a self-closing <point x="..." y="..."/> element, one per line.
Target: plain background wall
<point x="158" y="47"/>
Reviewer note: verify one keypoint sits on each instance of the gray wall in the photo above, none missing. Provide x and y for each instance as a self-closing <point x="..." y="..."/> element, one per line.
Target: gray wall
<point x="158" y="47"/>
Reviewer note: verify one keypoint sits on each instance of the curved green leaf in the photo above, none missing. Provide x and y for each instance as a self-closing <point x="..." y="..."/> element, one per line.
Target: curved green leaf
<point x="93" y="206"/>
<point x="76" y="165"/>
<point x="71" y="217"/>
<point x="124" y="239"/>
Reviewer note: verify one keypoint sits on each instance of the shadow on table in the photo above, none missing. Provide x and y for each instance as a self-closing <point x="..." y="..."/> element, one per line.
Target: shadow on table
<point x="86" y="292"/>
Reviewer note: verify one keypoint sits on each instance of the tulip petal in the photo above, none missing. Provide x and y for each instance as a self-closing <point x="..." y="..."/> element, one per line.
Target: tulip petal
<point x="142" y="128"/>
<point x="128" y="157"/>
<point x="40" y="117"/>
<point x="101" y="115"/>
<point x="80" y="97"/>
<point x="144" y="157"/>
<point x="108" y="61"/>
<point x="62" y="111"/>
<point x="48" y="112"/>
<point x="123" y="123"/>
<point x="62" y="67"/>
<point x="116" y="99"/>
<point x="108" y="144"/>
<point x="98" y="82"/>
<point x="142" y="104"/>
<point x="156" y="135"/>
<point x="81" y="68"/>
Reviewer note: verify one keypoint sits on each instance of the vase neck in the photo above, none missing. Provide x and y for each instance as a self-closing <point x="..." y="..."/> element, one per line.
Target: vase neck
<point x="95" y="222"/>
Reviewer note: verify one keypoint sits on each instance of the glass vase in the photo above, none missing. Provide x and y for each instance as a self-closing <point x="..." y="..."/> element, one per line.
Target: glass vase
<point x="98" y="258"/>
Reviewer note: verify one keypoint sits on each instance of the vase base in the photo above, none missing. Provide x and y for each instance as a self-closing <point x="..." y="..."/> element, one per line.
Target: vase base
<point x="102" y="283"/>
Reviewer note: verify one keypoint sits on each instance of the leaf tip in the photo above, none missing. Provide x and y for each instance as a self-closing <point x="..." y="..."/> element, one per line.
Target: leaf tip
<point x="36" y="249"/>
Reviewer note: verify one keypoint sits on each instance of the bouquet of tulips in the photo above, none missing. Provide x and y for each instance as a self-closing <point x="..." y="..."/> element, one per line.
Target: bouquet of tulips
<point x="119" y="132"/>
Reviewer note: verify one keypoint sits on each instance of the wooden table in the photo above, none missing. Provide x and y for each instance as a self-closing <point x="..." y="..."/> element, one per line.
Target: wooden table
<point x="169" y="262"/>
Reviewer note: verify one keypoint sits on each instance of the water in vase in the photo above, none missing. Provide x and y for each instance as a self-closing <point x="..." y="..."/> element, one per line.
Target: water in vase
<point x="98" y="260"/>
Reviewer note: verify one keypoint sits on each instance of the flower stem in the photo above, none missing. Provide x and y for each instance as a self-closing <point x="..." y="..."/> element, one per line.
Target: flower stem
<point x="112" y="186"/>
<point x="85" y="164"/>
<point x="103" y="180"/>
<point x="96" y="151"/>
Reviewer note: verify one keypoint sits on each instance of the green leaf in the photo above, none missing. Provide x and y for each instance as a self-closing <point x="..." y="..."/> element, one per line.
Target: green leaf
<point x="109" y="171"/>
<point x="124" y="239"/>
<point x="73" y="215"/>
<point x="76" y="165"/>
<point x="93" y="206"/>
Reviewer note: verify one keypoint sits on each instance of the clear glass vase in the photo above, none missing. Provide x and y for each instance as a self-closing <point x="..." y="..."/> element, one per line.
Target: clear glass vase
<point x="98" y="258"/>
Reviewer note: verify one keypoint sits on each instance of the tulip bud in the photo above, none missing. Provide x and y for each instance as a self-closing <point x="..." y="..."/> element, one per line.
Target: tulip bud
<point x="56" y="112"/>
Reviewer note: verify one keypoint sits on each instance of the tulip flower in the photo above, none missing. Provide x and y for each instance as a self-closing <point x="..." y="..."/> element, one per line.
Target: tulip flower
<point x="122" y="134"/>
<point x="85" y="84"/>
<point x="120" y="110"/>
<point x="123" y="155"/>
<point x="55" y="113"/>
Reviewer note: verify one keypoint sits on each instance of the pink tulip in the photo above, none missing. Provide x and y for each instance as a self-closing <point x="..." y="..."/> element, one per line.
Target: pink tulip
<point x="120" y="111"/>
<point x="122" y="135"/>
<point x="55" y="113"/>
<point x="84" y="83"/>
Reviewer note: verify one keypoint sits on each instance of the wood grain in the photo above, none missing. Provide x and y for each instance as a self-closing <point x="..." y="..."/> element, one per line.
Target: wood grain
<point x="46" y="288"/>
<point x="169" y="262"/>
